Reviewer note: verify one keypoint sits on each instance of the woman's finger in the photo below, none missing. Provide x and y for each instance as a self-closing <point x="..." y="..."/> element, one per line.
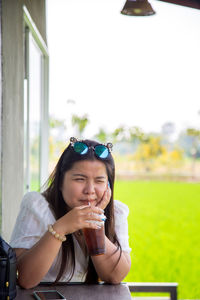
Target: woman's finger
<point x="93" y="225"/>
<point x="95" y="217"/>
<point x="90" y="209"/>
<point x="105" y="199"/>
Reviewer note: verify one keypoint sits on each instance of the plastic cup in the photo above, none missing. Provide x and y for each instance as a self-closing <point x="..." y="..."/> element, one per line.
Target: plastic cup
<point x="95" y="240"/>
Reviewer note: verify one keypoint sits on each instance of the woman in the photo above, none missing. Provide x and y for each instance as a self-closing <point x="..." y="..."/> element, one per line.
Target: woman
<point x="79" y="190"/>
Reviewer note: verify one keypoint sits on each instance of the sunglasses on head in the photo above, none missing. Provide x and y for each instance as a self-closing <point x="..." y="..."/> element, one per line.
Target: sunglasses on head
<point x="100" y="150"/>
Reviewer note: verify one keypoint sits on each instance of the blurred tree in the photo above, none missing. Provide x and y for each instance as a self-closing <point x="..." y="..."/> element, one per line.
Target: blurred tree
<point x="119" y="134"/>
<point x="57" y="140"/>
<point x="194" y="132"/>
<point x="58" y="128"/>
<point x="102" y="135"/>
<point x="194" y="149"/>
<point x="80" y="123"/>
<point x="171" y="160"/>
<point x="148" y="151"/>
<point x="131" y="134"/>
<point x="55" y="123"/>
<point x="136" y="134"/>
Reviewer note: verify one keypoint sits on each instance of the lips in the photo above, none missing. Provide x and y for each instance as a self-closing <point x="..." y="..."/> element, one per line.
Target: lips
<point x="84" y="202"/>
<point x="88" y="202"/>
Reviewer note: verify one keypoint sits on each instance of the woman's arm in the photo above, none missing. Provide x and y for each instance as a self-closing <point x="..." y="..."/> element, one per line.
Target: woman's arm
<point x="34" y="263"/>
<point x="109" y="267"/>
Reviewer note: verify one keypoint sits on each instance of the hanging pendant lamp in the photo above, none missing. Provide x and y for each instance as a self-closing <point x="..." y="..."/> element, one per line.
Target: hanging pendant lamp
<point x="137" y="8"/>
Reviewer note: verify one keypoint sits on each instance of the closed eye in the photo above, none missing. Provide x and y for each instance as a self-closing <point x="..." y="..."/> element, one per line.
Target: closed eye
<point x="100" y="181"/>
<point x="79" y="179"/>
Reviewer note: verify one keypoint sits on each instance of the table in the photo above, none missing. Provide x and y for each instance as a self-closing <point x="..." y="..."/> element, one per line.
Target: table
<point x="81" y="291"/>
<point x="169" y="287"/>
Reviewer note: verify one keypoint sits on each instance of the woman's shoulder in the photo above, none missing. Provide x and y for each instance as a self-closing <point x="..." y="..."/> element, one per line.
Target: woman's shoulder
<point x="34" y="204"/>
<point x="32" y="200"/>
<point x="32" y="220"/>
<point x="120" y="208"/>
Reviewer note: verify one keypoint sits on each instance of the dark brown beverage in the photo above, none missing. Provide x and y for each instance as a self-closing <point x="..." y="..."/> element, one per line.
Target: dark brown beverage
<point x="95" y="240"/>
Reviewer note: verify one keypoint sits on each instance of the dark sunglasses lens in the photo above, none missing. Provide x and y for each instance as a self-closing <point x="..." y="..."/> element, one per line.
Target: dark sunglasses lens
<point x="80" y="148"/>
<point x="101" y="151"/>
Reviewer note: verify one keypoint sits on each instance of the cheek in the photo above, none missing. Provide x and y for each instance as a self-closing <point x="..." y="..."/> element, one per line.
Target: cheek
<point x="73" y="191"/>
<point x="70" y="197"/>
<point x="68" y="193"/>
<point x="101" y="190"/>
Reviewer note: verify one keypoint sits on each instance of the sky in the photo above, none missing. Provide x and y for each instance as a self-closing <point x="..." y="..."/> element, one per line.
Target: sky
<point x="122" y="70"/>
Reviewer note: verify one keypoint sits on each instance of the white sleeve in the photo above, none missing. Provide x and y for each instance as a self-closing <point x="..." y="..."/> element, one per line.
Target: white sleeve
<point x="32" y="221"/>
<point x="121" y="212"/>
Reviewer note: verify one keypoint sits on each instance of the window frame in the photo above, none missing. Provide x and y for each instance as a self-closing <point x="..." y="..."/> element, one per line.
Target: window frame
<point x="30" y="28"/>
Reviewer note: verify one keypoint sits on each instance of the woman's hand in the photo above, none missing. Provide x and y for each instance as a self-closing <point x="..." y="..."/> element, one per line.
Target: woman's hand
<point x="78" y="218"/>
<point x="105" y="199"/>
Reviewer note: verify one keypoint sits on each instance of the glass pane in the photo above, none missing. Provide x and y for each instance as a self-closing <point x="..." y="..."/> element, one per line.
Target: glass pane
<point x="35" y="77"/>
<point x="26" y="153"/>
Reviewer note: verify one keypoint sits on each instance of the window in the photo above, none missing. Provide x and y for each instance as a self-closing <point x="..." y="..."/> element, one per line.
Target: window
<point x="35" y="107"/>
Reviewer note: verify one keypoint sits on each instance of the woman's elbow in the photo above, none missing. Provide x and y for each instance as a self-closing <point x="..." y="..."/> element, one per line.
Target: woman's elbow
<point x="25" y="284"/>
<point x="114" y="281"/>
<point x="115" y="278"/>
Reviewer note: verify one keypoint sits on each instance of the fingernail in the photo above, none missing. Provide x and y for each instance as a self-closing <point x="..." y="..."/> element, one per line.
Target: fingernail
<point x="103" y="218"/>
<point x="98" y="227"/>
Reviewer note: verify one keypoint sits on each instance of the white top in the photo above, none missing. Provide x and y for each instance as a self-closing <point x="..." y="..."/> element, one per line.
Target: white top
<point x="33" y="220"/>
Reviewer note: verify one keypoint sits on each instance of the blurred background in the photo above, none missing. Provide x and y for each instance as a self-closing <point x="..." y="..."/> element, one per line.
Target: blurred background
<point x="134" y="81"/>
<point x="82" y="68"/>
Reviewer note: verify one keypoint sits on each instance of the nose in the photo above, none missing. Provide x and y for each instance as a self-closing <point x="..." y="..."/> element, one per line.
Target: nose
<point x="89" y="189"/>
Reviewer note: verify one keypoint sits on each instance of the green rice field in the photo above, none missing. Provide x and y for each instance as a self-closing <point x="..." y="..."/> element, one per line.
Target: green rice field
<point x="164" y="233"/>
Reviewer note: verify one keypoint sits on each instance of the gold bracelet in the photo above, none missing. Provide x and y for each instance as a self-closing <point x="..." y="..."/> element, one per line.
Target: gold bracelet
<point x="55" y="234"/>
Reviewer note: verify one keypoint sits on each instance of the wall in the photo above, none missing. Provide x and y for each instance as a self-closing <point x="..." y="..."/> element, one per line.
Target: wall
<point x="0" y="109"/>
<point x="12" y="104"/>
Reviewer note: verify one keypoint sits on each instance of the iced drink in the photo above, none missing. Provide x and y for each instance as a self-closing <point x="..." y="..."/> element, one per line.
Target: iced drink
<point x="95" y="240"/>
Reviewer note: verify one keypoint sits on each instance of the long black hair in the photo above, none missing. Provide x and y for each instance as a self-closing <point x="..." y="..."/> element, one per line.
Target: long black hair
<point x="54" y="197"/>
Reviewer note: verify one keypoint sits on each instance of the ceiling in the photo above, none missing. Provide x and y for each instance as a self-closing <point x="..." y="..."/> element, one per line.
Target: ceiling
<point x="189" y="3"/>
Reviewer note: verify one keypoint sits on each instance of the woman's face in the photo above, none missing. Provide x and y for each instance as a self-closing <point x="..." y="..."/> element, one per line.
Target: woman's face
<point x="84" y="183"/>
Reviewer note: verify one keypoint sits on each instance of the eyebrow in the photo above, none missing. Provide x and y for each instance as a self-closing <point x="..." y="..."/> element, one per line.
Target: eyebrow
<point x="82" y="175"/>
<point x="77" y="174"/>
